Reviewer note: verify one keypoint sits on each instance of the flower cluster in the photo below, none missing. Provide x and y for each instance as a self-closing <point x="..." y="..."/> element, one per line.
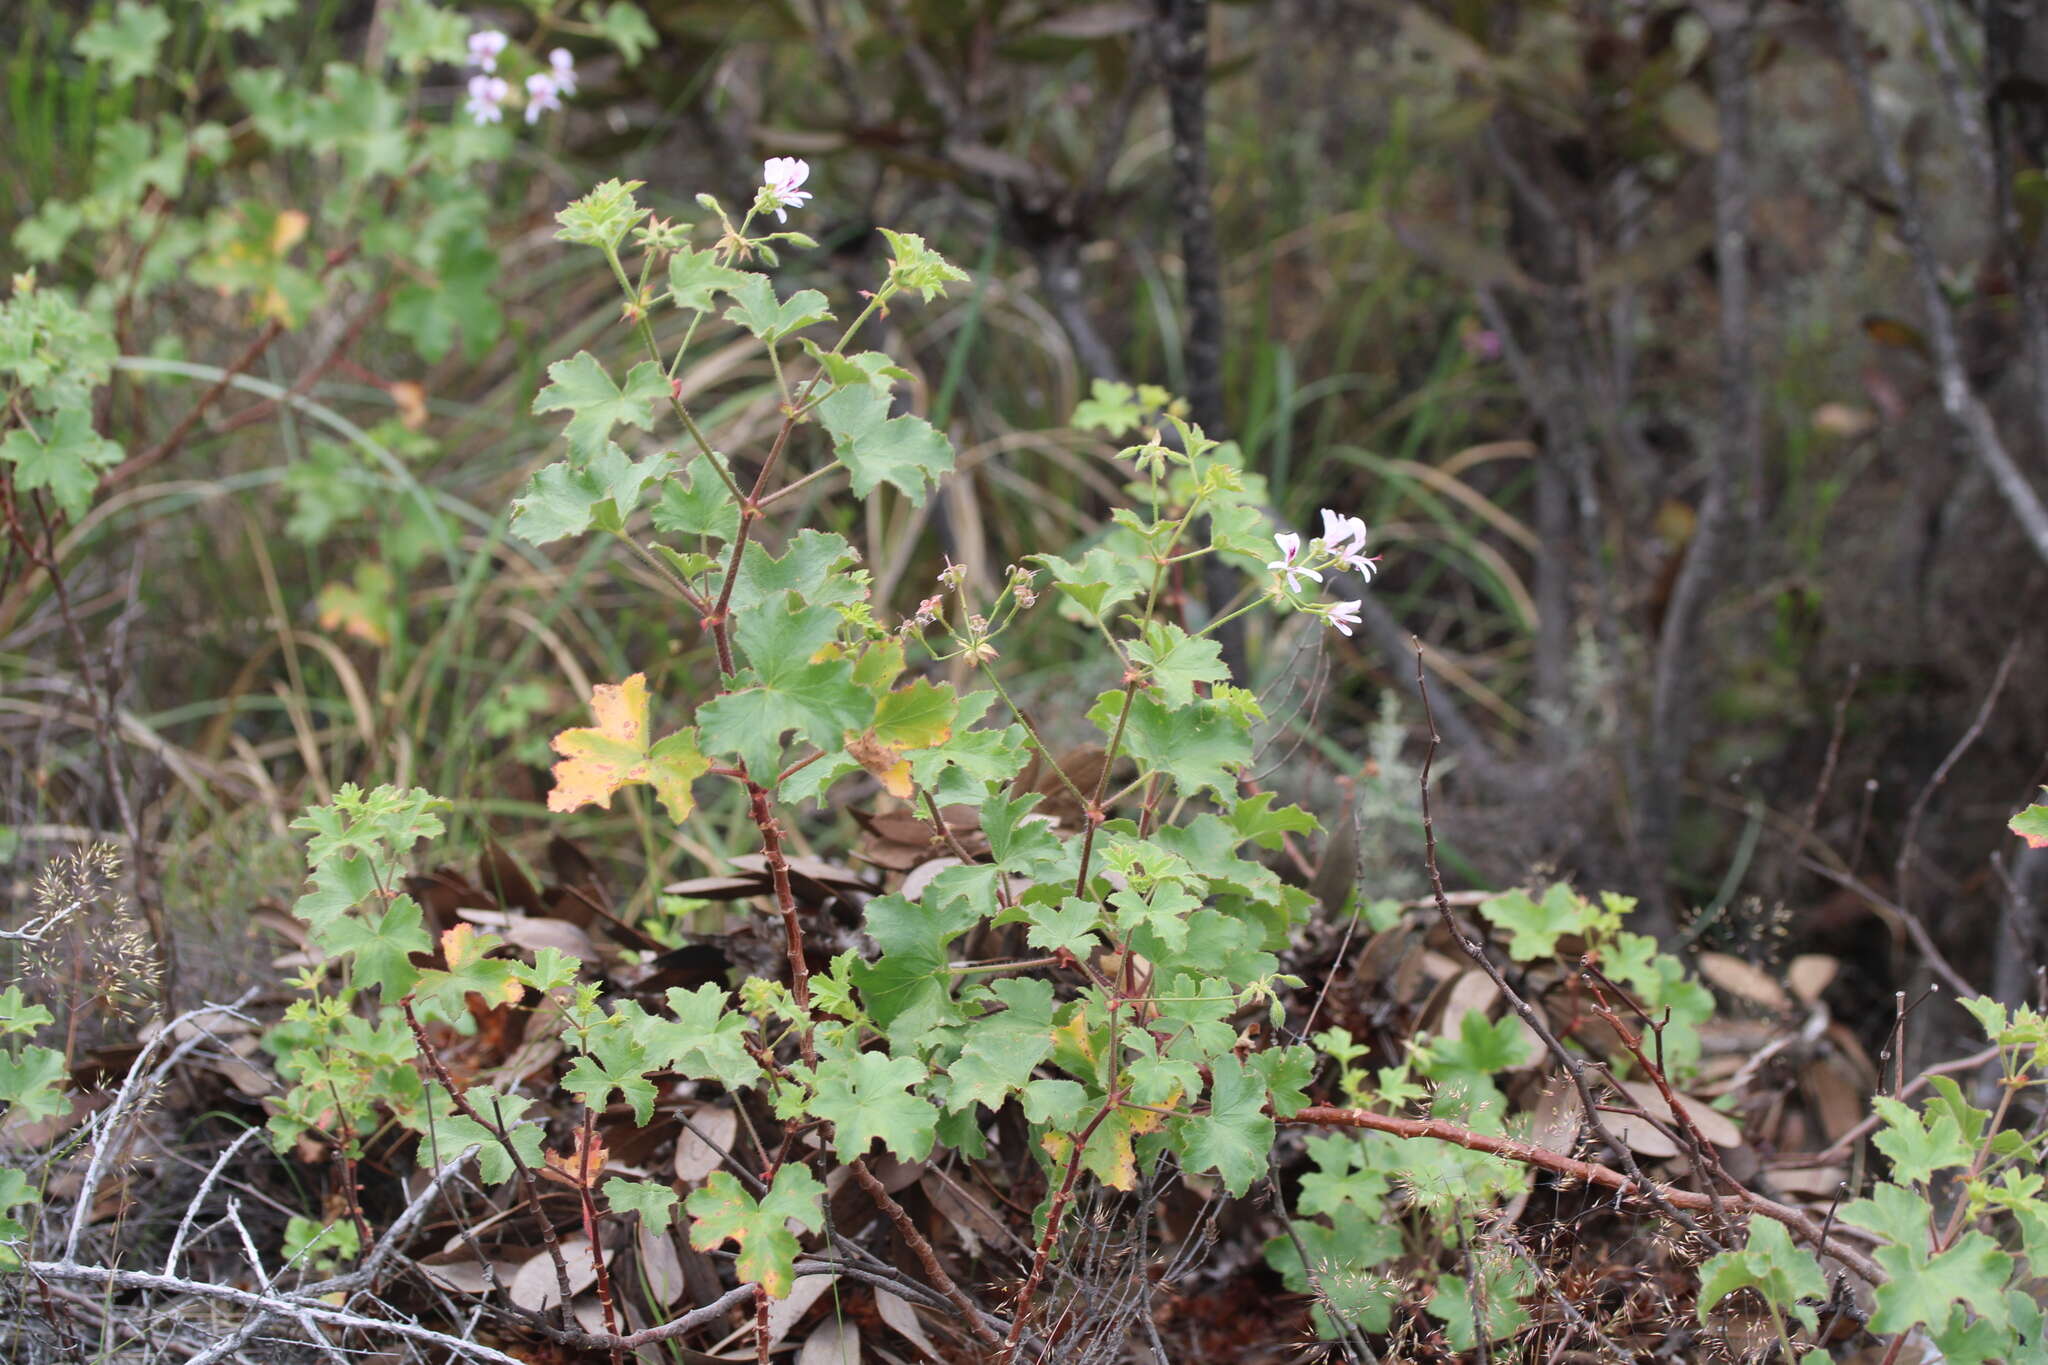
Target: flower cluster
<point x="488" y="90"/>
<point x="1341" y="546"/>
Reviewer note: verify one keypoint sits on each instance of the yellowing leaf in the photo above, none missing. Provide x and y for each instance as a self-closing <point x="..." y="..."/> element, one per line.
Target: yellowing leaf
<point x="467" y="951"/>
<point x="884" y="761"/>
<point x="1110" y="1155"/>
<point x="614" y="753"/>
<point x="919" y="716"/>
<point x="288" y="231"/>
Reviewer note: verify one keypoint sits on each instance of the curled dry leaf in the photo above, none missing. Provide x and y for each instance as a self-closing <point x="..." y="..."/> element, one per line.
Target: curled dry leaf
<point x="1558" y="1116"/>
<point x="1745" y="980"/>
<point x="969" y="1219"/>
<point x="785" y="1313"/>
<point x="835" y="1341"/>
<point x="1713" y="1125"/>
<point x="921" y="876"/>
<point x="588" y="1312"/>
<point x="1641" y="1136"/>
<point x="660" y="1266"/>
<point x="534" y="934"/>
<point x="903" y="1318"/>
<point x="461" y="1272"/>
<point x="1810" y="975"/>
<point x="1814" y="1182"/>
<point x="896" y="1174"/>
<point x="534" y="1285"/>
<point x="697" y="1159"/>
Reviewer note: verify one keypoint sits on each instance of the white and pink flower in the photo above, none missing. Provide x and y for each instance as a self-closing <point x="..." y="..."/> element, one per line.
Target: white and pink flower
<point x="542" y="96"/>
<point x="486" y="102"/>
<point x="1344" y="538"/>
<point x="562" y="69"/>
<point x="781" y="181"/>
<point x="484" y="47"/>
<point x="1291" y="561"/>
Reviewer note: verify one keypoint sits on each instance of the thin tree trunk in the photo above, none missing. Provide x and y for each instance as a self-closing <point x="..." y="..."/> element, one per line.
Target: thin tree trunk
<point x="1959" y="398"/>
<point x="1734" y="453"/>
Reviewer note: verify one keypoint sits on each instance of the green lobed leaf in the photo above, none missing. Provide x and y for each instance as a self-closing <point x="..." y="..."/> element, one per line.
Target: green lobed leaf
<point x="695" y="276"/>
<point x="564" y="500"/>
<point x="1784" y="1275"/>
<point x="699" y="504"/>
<point x="624" y="25"/>
<point x="380" y="950"/>
<point x="1257" y="820"/>
<point x="1098" y="581"/>
<point x="447" y="1133"/>
<point x="1502" y="1282"/>
<point x="580" y="386"/>
<point x="1918" y="1148"/>
<point x="1480" y="1051"/>
<point x="15" y="1192"/>
<point x="913" y="265"/>
<point x="32" y="1081"/>
<point x="1177" y="662"/>
<point x="1235" y="1137"/>
<point x="1001" y="1049"/>
<point x="907" y="452"/>
<point x="1060" y="924"/>
<point x="1203" y="745"/>
<point x="1535" y="926"/>
<point x="67" y="462"/>
<point x="814" y="566"/>
<point x="869" y="1098"/>
<point x="615" y="1059"/>
<point x="784" y="690"/>
<point x="869" y="369"/>
<point x="755" y="307"/>
<point x="654" y="1202"/>
<point x="128" y="42"/>
<point x="17" y="1015"/>
<point x="1922" y="1289"/>
<point x="705" y="1039"/>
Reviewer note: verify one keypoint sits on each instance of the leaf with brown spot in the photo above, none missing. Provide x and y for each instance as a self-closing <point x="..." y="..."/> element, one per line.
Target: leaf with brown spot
<point x="598" y="760"/>
<point x="919" y="716"/>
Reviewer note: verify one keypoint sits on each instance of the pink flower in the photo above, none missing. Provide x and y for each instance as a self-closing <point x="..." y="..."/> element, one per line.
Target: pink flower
<point x="484" y="47"/>
<point x="1343" y="615"/>
<point x="1483" y="344"/>
<point x="1341" y="532"/>
<point x="1344" y="537"/>
<point x="563" y="67"/>
<point x="780" y="178"/>
<point x="486" y="99"/>
<point x="1289" y="562"/>
<point x="541" y="96"/>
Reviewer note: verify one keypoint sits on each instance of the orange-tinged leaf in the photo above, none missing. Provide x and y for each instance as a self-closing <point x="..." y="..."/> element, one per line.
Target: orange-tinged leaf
<point x="2031" y="824"/>
<point x="614" y="753"/>
<point x="884" y="761"/>
<point x="722" y="1212"/>
<point x="466" y="951"/>
<point x="578" y="1167"/>
<point x="919" y="716"/>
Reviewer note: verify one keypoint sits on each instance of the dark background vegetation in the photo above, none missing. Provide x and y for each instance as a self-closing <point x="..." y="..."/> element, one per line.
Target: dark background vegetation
<point x="1694" y="413"/>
